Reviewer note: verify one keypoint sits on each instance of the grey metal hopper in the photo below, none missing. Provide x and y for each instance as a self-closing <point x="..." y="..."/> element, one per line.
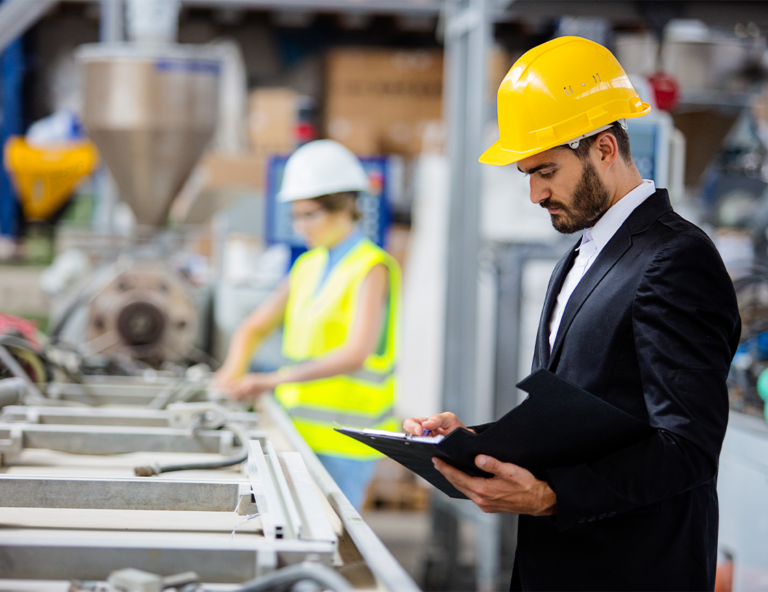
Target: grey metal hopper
<point x="151" y="111"/>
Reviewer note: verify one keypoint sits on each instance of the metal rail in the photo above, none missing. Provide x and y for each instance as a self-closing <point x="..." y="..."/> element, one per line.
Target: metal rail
<point x="120" y="393"/>
<point x="105" y="440"/>
<point x="106" y="417"/>
<point x="91" y="555"/>
<point x="384" y="566"/>
<point x="83" y="493"/>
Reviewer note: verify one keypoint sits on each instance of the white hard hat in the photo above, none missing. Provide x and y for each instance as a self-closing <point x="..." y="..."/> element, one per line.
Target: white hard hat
<point x="319" y="168"/>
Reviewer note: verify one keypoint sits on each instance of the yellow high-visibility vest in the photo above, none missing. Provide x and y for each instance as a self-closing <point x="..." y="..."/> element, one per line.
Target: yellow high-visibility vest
<point x="317" y="321"/>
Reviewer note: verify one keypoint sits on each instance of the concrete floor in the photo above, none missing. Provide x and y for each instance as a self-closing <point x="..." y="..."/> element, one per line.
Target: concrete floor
<point x="405" y="534"/>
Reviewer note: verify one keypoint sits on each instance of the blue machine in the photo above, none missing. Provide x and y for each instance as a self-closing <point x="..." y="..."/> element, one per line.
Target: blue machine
<point x="658" y="150"/>
<point x="11" y="123"/>
<point x="644" y="138"/>
<point x="374" y="205"/>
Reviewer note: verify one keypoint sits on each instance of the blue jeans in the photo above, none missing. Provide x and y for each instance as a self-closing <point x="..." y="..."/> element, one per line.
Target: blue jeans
<point x="352" y="476"/>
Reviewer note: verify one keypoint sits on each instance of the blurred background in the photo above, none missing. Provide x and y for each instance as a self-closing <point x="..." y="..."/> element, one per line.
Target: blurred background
<point x="135" y="240"/>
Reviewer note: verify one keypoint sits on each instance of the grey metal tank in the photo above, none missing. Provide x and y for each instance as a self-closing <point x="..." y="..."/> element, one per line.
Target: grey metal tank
<point x="151" y="110"/>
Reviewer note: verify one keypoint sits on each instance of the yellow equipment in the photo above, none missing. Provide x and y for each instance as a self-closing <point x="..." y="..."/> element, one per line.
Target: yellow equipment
<point x="319" y="321"/>
<point x="44" y="178"/>
<point x="557" y="92"/>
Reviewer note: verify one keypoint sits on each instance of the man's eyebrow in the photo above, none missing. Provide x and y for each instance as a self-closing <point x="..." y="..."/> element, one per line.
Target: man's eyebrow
<point x="536" y="168"/>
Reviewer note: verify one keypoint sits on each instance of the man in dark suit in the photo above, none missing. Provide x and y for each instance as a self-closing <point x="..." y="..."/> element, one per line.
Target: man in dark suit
<point x="641" y="313"/>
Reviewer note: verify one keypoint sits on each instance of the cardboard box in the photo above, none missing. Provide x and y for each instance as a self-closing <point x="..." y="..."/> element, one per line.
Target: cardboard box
<point x="273" y="115"/>
<point x="225" y="171"/>
<point x="381" y="101"/>
<point x="499" y="63"/>
<point x="218" y="181"/>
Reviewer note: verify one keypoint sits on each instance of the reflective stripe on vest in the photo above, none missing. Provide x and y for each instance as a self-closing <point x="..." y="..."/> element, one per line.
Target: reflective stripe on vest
<point x="339" y="417"/>
<point x="365" y="375"/>
<point x="318" y="321"/>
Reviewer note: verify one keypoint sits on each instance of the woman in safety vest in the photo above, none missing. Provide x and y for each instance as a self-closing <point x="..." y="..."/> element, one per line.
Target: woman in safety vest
<point x="340" y="309"/>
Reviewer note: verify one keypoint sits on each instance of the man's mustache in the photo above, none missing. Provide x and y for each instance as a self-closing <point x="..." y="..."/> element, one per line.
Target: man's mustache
<point x="548" y="204"/>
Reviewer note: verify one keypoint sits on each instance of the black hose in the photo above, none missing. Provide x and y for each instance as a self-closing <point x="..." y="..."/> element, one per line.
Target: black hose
<point x="242" y="436"/>
<point x="284" y="579"/>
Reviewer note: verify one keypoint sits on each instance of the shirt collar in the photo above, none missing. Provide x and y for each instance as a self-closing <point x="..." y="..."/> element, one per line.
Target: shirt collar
<point x="344" y="246"/>
<point x="612" y="220"/>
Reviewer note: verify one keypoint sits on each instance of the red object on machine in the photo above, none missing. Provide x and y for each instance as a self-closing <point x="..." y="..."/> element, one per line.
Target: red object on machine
<point x="666" y="90"/>
<point x="10" y="324"/>
<point x="724" y="577"/>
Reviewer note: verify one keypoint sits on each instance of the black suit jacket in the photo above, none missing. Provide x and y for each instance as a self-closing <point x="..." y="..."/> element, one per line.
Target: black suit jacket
<point x="651" y="328"/>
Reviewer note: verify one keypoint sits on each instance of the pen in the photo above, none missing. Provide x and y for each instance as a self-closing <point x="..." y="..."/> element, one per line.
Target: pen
<point x="426" y="433"/>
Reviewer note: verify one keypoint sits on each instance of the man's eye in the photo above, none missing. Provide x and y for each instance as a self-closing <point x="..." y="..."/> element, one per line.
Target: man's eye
<point x="547" y="175"/>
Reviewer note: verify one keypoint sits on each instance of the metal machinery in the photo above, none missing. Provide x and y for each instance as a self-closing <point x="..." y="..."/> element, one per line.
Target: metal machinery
<point x="151" y="110"/>
<point x="74" y="522"/>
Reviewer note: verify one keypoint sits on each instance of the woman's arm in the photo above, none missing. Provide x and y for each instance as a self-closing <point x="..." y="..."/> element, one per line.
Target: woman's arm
<point x="251" y="332"/>
<point x="361" y="343"/>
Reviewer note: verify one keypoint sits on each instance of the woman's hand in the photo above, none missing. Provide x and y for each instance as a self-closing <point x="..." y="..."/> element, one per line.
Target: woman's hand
<point x="441" y="424"/>
<point x="225" y="378"/>
<point x="252" y="385"/>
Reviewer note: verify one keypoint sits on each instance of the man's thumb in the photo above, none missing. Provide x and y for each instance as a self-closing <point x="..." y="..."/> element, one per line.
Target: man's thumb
<point x="488" y="463"/>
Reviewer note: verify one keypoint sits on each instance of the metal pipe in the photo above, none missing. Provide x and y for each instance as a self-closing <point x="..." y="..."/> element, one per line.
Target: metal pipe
<point x="287" y="577"/>
<point x="111" y="24"/>
<point x="11" y="391"/>
<point x="11" y="363"/>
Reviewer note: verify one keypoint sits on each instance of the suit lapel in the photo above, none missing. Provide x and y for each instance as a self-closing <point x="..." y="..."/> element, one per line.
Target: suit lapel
<point x="558" y="277"/>
<point x="638" y="221"/>
<point x="605" y="261"/>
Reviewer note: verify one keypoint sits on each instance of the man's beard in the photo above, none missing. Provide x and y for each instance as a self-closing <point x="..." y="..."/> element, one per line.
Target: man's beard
<point x="589" y="202"/>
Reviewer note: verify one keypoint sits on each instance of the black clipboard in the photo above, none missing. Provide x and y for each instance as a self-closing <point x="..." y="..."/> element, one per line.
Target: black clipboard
<point x="558" y="425"/>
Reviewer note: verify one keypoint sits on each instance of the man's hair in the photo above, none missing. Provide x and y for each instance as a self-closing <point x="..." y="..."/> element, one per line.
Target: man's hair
<point x="337" y="202"/>
<point x="622" y="140"/>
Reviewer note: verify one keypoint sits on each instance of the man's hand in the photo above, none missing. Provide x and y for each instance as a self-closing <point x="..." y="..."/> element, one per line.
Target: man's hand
<point x="441" y="424"/>
<point x="512" y="489"/>
<point x="252" y="385"/>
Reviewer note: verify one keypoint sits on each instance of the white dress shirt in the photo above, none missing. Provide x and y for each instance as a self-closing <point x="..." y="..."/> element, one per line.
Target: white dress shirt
<point x="592" y="242"/>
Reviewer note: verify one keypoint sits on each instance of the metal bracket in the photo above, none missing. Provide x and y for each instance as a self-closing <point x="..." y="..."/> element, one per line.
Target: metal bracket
<point x="246" y="504"/>
<point x="209" y="416"/>
<point x="33" y="415"/>
<point x="227" y="443"/>
<point x="14" y="444"/>
<point x="462" y="23"/>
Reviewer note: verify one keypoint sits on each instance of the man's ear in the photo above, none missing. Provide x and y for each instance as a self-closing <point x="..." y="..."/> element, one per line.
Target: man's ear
<point x="607" y="148"/>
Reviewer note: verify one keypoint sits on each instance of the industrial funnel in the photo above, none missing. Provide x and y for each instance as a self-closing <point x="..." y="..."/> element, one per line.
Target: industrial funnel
<point x="151" y="111"/>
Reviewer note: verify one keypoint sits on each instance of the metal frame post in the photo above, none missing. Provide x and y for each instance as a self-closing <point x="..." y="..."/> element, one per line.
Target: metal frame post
<point x="467" y="35"/>
<point x="111" y="28"/>
<point x="467" y="38"/>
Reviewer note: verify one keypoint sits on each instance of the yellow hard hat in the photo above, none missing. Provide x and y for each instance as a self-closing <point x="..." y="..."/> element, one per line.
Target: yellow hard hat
<point x="559" y="92"/>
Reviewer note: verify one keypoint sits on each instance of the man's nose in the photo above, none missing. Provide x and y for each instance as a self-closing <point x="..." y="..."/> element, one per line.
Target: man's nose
<point x="539" y="191"/>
